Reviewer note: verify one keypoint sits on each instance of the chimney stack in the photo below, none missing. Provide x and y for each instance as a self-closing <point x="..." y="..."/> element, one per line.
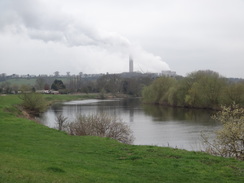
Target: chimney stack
<point x="130" y="64"/>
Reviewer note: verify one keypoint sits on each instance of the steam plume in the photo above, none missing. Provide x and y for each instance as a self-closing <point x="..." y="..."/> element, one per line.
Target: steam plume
<point x="33" y="19"/>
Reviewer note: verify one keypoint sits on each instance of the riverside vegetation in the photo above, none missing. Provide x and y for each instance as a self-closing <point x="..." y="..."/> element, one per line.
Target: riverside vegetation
<point x="31" y="152"/>
<point x="201" y="89"/>
<point x="229" y="141"/>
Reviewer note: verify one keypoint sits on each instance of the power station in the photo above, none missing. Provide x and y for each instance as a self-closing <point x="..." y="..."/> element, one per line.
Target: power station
<point x="167" y="73"/>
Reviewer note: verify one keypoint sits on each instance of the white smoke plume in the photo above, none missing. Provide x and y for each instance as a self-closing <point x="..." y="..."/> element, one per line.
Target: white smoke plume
<point x="37" y="21"/>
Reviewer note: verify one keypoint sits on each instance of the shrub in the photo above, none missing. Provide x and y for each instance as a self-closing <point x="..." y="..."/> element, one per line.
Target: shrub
<point x="102" y="125"/>
<point x="34" y="103"/>
<point x="229" y="140"/>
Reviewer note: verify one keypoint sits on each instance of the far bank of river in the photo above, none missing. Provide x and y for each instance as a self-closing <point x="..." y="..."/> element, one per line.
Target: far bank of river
<point x="151" y="125"/>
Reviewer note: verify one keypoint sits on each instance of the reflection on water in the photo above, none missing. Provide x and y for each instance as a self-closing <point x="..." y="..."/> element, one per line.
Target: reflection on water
<point x="152" y="125"/>
<point x="161" y="113"/>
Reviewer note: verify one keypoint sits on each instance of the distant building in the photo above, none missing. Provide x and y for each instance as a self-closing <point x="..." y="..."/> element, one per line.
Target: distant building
<point x="130" y="64"/>
<point x="168" y="73"/>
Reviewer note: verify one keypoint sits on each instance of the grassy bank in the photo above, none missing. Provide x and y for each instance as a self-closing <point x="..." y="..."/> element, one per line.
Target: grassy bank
<point x="30" y="152"/>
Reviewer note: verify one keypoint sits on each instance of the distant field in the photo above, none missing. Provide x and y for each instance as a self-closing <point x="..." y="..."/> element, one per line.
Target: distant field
<point x="29" y="81"/>
<point x="21" y="81"/>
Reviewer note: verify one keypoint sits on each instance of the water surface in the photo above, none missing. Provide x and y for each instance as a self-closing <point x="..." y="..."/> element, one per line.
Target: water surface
<point x="151" y="125"/>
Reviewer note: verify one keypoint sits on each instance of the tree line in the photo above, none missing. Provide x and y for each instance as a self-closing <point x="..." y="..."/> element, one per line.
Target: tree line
<point x="109" y="83"/>
<point x="200" y="89"/>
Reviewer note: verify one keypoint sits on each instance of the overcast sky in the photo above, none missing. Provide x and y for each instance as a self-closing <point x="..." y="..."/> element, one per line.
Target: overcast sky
<point x="97" y="36"/>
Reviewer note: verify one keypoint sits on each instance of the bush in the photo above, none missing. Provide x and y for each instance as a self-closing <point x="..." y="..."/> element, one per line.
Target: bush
<point x="102" y="125"/>
<point x="34" y="103"/>
<point x="229" y="140"/>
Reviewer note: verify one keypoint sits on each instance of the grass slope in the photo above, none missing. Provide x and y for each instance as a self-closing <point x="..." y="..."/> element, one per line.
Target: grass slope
<point x="31" y="152"/>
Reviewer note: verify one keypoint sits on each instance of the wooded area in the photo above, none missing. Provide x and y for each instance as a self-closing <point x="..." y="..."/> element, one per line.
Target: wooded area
<point x="201" y="89"/>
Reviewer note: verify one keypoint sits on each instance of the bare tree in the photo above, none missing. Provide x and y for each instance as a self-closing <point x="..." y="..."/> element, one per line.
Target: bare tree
<point x="61" y="121"/>
<point x="40" y="82"/>
<point x="56" y="73"/>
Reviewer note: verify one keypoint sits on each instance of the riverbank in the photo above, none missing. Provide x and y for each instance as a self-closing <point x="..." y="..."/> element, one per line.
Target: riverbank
<point x="81" y="96"/>
<point x="31" y="152"/>
<point x="67" y="97"/>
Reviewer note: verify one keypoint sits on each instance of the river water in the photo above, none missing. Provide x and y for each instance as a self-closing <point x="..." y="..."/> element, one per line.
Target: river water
<point x="151" y="125"/>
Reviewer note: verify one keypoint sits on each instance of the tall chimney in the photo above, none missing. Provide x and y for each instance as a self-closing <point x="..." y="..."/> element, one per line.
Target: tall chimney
<point x="130" y="64"/>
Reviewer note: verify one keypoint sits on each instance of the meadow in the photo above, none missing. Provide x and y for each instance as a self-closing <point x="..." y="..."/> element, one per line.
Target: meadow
<point x="21" y="81"/>
<point x="31" y="152"/>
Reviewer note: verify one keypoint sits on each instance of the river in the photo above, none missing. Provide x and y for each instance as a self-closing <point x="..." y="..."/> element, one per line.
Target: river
<point x="151" y="125"/>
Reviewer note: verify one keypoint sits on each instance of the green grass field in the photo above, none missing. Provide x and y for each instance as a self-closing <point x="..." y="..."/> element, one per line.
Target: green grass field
<point x="31" y="152"/>
<point x="21" y="81"/>
<point x="30" y="81"/>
